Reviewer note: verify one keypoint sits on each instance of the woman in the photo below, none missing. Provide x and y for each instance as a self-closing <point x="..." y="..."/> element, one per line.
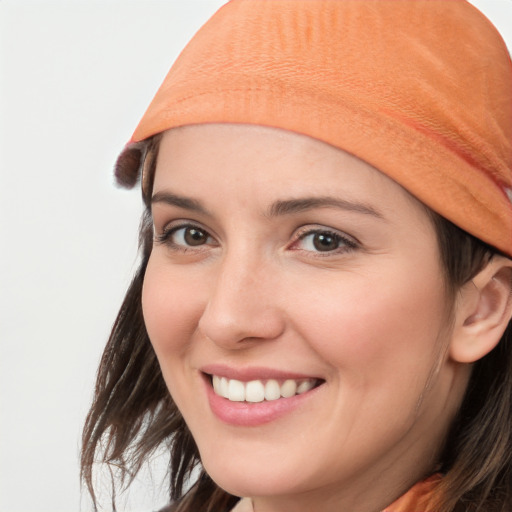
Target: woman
<point x="321" y="316"/>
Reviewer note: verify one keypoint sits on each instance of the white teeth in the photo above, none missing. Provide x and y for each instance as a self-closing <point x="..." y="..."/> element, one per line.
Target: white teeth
<point x="304" y="386"/>
<point x="254" y="391"/>
<point x="272" y="390"/>
<point x="216" y="385"/>
<point x="236" y="391"/>
<point x="224" y="386"/>
<point x="258" y="391"/>
<point x="289" y="388"/>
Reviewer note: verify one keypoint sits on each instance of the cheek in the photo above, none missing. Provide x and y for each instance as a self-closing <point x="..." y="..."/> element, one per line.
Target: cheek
<point x="379" y="333"/>
<point x="170" y="308"/>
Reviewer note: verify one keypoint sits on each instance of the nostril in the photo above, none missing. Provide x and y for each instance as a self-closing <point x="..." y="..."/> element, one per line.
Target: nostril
<point x="240" y="325"/>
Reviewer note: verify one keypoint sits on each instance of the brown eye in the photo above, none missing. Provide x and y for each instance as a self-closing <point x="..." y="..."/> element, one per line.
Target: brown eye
<point x="319" y="240"/>
<point x="325" y="241"/>
<point x="182" y="237"/>
<point x="193" y="236"/>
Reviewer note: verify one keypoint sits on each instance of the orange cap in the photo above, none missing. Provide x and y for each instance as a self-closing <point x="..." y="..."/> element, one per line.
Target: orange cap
<point x="420" y="89"/>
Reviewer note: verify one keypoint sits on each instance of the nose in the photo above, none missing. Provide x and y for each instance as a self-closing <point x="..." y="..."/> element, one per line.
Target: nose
<point x="242" y="306"/>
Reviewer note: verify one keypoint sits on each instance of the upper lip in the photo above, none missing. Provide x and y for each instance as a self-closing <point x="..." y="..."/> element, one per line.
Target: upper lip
<point x="246" y="374"/>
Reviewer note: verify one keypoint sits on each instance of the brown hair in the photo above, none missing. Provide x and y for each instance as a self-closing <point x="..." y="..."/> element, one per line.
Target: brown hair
<point x="133" y="414"/>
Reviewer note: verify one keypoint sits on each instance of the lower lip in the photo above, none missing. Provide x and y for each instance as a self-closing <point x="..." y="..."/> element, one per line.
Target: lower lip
<point x="248" y="414"/>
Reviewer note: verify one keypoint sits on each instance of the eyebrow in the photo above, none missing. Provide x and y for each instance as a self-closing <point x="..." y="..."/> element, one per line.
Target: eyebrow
<point x="278" y="208"/>
<point x="291" y="206"/>
<point x="186" y="203"/>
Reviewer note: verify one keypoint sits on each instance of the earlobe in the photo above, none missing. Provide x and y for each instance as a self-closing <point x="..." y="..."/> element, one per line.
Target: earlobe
<point x="483" y="311"/>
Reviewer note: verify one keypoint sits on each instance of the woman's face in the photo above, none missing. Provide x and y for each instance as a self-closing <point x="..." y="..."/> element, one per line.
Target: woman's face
<point x="285" y="267"/>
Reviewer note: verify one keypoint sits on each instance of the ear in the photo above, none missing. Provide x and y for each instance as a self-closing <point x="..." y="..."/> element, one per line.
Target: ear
<point x="483" y="311"/>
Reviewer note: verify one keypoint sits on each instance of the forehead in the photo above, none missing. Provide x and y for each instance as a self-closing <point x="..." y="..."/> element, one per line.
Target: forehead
<point x="251" y="161"/>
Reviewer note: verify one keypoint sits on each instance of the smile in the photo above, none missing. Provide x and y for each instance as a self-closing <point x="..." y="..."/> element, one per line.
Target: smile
<point x="252" y="397"/>
<point x="259" y="390"/>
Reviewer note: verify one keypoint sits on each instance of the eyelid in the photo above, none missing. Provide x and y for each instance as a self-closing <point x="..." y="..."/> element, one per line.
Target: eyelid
<point x="350" y="242"/>
<point x="175" y="224"/>
<point x="164" y="237"/>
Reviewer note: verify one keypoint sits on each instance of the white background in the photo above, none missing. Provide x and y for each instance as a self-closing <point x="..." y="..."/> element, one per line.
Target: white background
<point x="75" y="77"/>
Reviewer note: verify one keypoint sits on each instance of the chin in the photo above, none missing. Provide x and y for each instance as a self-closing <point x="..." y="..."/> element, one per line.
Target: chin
<point x="245" y="482"/>
<point x="264" y="471"/>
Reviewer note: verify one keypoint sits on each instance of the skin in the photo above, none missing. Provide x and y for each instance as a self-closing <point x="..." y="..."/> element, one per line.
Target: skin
<point x="368" y="317"/>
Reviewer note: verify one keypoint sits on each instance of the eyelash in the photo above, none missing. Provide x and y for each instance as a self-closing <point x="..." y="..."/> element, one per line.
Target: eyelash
<point x="166" y="237"/>
<point x="347" y="243"/>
